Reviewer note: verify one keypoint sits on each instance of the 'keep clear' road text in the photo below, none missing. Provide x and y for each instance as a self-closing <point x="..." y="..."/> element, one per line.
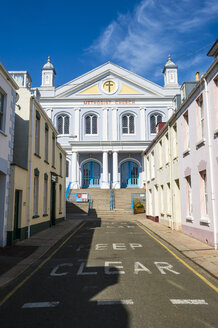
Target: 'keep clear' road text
<point x="111" y="267"/>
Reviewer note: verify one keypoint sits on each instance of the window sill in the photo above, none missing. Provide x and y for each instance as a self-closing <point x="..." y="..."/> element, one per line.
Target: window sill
<point x="200" y="143"/>
<point x="91" y="135"/>
<point x="205" y="221"/>
<point x="36" y="216"/>
<point x="128" y="134"/>
<point x="189" y="219"/>
<point x="4" y="134"/>
<point x="60" y="212"/>
<point x="46" y="161"/>
<point x="186" y="152"/>
<point x="45" y="214"/>
<point x="37" y="155"/>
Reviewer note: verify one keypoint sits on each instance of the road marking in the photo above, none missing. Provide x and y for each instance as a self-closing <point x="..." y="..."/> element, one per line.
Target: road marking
<point x="115" y="302"/>
<point x="40" y="305"/>
<point x="196" y="302"/>
<point x="54" y="271"/>
<point x="180" y="260"/>
<point x="39" y="266"/>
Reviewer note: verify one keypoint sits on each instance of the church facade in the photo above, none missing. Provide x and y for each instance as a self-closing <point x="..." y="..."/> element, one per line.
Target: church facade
<point x="106" y="118"/>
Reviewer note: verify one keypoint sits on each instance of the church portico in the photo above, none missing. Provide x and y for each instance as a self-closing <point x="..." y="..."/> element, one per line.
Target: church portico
<point x="100" y="168"/>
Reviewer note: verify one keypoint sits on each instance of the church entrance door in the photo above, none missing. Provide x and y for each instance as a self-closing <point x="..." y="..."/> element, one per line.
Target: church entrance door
<point x="91" y="174"/>
<point x="129" y="174"/>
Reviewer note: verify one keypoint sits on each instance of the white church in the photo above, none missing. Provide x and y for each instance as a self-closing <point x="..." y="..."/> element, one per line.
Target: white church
<point x="106" y="118"/>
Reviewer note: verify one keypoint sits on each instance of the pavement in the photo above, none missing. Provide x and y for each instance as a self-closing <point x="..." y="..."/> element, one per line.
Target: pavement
<point x="14" y="260"/>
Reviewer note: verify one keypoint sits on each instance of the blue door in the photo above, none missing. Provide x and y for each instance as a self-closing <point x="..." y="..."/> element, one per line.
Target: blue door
<point x="129" y="174"/>
<point x="91" y="175"/>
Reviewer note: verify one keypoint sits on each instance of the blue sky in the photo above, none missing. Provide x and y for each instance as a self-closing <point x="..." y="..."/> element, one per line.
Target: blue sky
<point x="79" y="36"/>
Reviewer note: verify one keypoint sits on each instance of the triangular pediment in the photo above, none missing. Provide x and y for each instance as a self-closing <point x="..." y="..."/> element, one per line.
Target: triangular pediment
<point x="109" y="80"/>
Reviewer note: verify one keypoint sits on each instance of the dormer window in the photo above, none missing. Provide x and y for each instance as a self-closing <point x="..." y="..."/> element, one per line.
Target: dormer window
<point x="128" y="124"/>
<point x="63" y="122"/>
<point x="91" y="124"/>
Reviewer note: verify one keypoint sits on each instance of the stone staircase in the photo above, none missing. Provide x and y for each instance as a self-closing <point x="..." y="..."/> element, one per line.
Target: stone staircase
<point x="100" y="203"/>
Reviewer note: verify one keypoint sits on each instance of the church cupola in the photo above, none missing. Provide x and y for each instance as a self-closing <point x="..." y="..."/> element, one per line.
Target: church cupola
<point x="170" y="72"/>
<point x="48" y="74"/>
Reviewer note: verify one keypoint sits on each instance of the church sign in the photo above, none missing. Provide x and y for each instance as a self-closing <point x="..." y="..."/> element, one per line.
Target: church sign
<point x="109" y="102"/>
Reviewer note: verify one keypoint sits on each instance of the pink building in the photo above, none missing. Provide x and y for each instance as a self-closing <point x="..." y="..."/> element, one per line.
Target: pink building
<point x="198" y="156"/>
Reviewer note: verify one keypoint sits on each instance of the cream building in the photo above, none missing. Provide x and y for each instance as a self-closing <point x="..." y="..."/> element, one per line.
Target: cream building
<point x="162" y="167"/>
<point x="37" y="194"/>
<point x="8" y="89"/>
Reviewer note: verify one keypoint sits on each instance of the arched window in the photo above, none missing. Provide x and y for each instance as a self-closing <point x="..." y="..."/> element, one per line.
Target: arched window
<point x="91" y="124"/>
<point x="154" y="120"/>
<point x="128" y="124"/>
<point x="63" y="123"/>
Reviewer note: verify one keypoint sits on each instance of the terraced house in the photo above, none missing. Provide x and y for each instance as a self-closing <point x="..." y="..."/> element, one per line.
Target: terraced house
<point x="8" y="89"/>
<point x="182" y="161"/>
<point x="37" y="193"/>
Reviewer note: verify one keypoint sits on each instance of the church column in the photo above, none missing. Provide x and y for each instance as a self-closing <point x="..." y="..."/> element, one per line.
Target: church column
<point x="116" y="183"/>
<point x="143" y="179"/>
<point x="142" y="122"/>
<point x="74" y="181"/>
<point x="114" y="124"/>
<point x="77" y="123"/>
<point x="104" y="183"/>
<point x="105" y="124"/>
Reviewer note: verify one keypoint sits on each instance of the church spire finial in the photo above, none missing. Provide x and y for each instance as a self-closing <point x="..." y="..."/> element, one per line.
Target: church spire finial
<point x="49" y="59"/>
<point x="169" y="57"/>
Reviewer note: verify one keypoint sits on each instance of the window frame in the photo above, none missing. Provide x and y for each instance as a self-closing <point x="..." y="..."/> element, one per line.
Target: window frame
<point x="201" y="115"/>
<point x="67" y="168"/>
<point x="46" y="144"/>
<point x="36" y="196"/>
<point x="128" y="115"/>
<point x="189" y="203"/>
<point x="91" y="115"/>
<point x="37" y="134"/>
<point x="204" y="182"/>
<point x="63" y="116"/>
<point x="155" y="114"/>
<point x="186" y="131"/>
<point x="2" y="110"/>
<point x="45" y="196"/>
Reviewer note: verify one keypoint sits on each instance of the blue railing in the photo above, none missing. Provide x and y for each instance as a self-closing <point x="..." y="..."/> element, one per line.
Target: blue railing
<point x="80" y="198"/>
<point x="68" y="190"/>
<point x="111" y="197"/>
<point x="138" y="197"/>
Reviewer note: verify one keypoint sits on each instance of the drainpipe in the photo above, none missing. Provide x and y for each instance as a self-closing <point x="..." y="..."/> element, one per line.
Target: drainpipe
<point x="210" y="149"/>
<point x="30" y="165"/>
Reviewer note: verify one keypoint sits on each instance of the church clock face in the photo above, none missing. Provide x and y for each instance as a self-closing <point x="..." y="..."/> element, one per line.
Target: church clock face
<point x="109" y="86"/>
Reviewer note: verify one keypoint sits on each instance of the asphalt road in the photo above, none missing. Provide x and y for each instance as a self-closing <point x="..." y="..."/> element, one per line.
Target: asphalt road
<point x="111" y="274"/>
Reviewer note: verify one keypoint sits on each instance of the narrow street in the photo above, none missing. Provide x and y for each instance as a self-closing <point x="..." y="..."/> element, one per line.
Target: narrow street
<point x="111" y="274"/>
